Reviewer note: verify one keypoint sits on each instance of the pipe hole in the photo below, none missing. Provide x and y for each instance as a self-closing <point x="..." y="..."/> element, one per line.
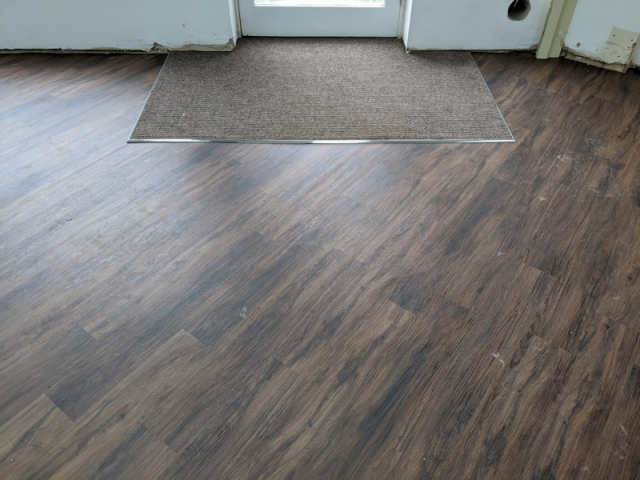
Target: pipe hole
<point x="518" y="10"/>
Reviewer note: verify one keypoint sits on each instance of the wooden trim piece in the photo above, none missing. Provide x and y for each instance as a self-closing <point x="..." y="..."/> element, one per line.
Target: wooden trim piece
<point x="550" y="29"/>
<point x="563" y="26"/>
<point x="556" y="29"/>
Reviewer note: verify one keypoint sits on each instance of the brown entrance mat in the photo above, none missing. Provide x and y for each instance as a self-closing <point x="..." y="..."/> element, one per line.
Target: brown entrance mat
<point x="282" y="90"/>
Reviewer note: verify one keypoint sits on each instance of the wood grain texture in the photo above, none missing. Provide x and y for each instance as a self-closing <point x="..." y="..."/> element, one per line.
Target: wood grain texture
<point x="318" y="311"/>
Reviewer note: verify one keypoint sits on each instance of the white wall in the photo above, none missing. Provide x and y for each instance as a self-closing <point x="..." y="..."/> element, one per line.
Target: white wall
<point x="474" y="25"/>
<point x="592" y="23"/>
<point x="115" y="24"/>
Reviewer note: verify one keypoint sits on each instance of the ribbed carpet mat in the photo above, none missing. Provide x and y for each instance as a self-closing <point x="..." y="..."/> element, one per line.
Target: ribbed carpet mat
<point x="320" y="89"/>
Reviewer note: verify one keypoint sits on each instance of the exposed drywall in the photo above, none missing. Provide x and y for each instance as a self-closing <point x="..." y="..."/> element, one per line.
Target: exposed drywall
<point x="116" y="24"/>
<point x="592" y="33"/>
<point x="474" y="25"/>
<point x="614" y="54"/>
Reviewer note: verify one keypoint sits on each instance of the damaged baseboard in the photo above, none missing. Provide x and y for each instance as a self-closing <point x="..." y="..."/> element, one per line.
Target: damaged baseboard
<point x="615" y="54"/>
<point x="474" y="50"/>
<point x="616" y="67"/>
<point x="226" y="47"/>
<point x="156" y="48"/>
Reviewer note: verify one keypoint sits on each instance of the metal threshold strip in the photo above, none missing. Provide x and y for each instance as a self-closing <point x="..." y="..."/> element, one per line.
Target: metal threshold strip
<point x="308" y="142"/>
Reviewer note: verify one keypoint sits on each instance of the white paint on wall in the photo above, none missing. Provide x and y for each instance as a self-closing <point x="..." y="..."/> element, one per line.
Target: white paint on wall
<point x="115" y="24"/>
<point x="139" y="24"/>
<point x="474" y="25"/>
<point x="593" y="21"/>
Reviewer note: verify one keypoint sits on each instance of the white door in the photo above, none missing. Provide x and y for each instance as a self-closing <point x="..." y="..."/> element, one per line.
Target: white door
<point x="320" y="18"/>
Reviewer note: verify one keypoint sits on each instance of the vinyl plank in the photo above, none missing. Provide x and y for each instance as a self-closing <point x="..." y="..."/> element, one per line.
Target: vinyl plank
<point x="318" y="311"/>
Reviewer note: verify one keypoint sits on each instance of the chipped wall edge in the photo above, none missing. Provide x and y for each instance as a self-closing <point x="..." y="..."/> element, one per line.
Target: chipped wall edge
<point x="573" y="55"/>
<point x="230" y="46"/>
<point x="156" y="48"/>
<point x="615" y="54"/>
<point x="532" y="48"/>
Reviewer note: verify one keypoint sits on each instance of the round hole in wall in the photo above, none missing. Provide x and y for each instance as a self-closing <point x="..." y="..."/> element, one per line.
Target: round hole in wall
<point x="518" y="10"/>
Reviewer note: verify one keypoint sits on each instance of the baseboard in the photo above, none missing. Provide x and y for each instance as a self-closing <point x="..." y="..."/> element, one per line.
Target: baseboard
<point x="156" y="48"/>
<point x="474" y="50"/>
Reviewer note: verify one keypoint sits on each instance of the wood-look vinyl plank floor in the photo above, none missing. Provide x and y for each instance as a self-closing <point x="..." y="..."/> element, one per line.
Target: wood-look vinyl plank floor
<point x="318" y="311"/>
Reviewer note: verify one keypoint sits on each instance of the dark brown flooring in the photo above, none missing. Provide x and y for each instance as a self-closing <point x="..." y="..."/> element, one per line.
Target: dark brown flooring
<point x="335" y="311"/>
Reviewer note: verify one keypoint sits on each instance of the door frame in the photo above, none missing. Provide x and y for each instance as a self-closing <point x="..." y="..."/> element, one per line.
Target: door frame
<point x="399" y="32"/>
